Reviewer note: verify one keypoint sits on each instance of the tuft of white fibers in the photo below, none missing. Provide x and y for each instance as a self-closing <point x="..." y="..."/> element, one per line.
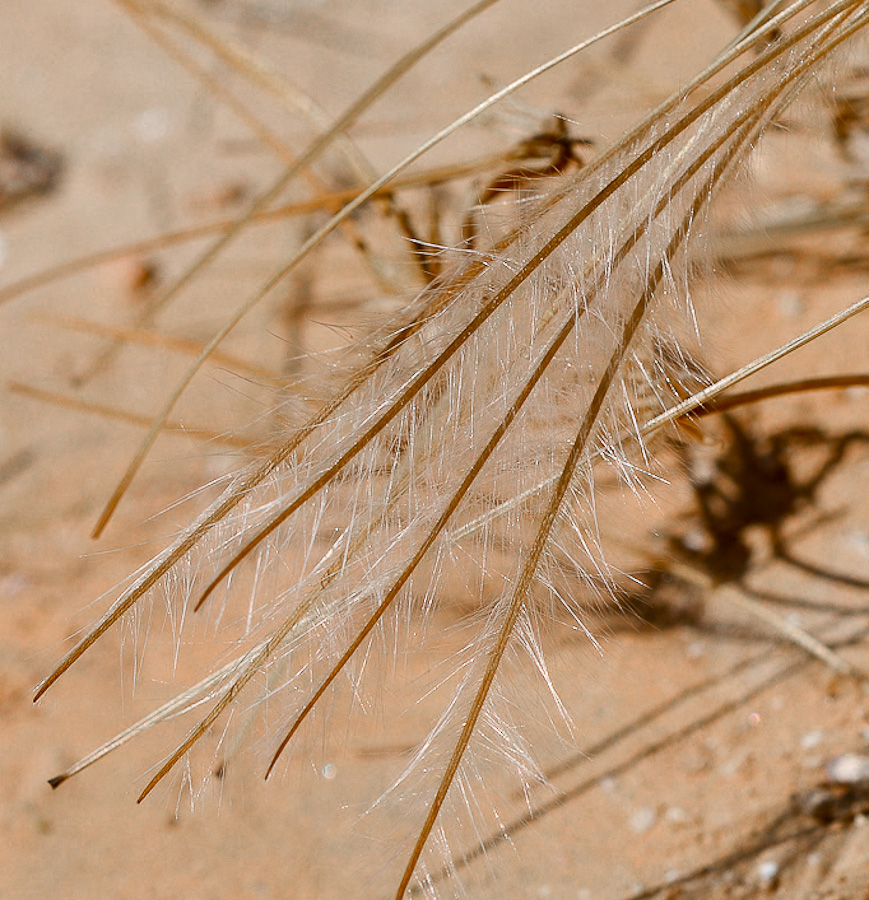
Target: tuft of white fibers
<point x="467" y="447"/>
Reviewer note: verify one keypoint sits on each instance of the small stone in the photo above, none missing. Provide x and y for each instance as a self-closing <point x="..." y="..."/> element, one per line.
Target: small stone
<point x="696" y="650"/>
<point x="643" y="819"/>
<point x="811" y="739"/>
<point x="849" y="768"/>
<point x="676" y="814"/>
<point x="768" y="874"/>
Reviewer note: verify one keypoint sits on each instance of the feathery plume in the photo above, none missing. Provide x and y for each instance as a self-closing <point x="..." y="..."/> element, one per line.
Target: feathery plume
<point x="543" y="354"/>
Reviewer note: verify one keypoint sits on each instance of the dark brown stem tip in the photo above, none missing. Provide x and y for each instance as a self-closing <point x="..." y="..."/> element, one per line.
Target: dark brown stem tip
<point x="40" y="690"/>
<point x="57" y="781"/>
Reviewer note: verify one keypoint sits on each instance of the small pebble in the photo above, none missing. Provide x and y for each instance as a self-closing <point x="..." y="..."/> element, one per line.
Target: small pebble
<point x="696" y="650"/>
<point x="696" y="541"/>
<point x="811" y="739"/>
<point x="643" y="819"/>
<point x="849" y="768"/>
<point x="676" y="814"/>
<point x="768" y="873"/>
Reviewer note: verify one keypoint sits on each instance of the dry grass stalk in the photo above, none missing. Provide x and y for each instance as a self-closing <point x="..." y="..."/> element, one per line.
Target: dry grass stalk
<point x="556" y="348"/>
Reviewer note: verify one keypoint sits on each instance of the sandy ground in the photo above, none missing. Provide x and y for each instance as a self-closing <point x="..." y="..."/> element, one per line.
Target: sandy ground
<point x="694" y="731"/>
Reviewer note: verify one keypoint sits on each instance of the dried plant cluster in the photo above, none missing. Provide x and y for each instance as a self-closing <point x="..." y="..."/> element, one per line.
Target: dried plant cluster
<point x="465" y="441"/>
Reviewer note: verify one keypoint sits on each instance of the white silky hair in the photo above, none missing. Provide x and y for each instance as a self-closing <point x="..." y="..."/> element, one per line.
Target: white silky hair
<point x="504" y="386"/>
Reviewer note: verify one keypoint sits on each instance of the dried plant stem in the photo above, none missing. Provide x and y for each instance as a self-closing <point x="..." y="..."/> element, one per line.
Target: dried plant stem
<point x="553" y="509"/>
<point x="701" y="398"/>
<point x="257" y="659"/>
<point x="242" y="62"/>
<point x="394" y="404"/>
<point x="317" y="238"/>
<point x="707" y="401"/>
<point x="520" y="277"/>
<point x="326" y="201"/>
<point x="803" y="385"/>
<point x="148" y="338"/>
<point x="122" y="415"/>
<point x="529" y="569"/>
<point x="570" y="303"/>
<point x="538" y="369"/>
<point x="735" y="596"/>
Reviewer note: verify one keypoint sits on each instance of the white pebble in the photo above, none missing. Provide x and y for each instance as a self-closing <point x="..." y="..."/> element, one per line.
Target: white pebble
<point x="676" y="814"/>
<point x="643" y="819"/>
<point x="767" y="872"/>
<point x="849" y="768"/>
<point x="696" y="650"/>
<point x="811" y="739"/>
